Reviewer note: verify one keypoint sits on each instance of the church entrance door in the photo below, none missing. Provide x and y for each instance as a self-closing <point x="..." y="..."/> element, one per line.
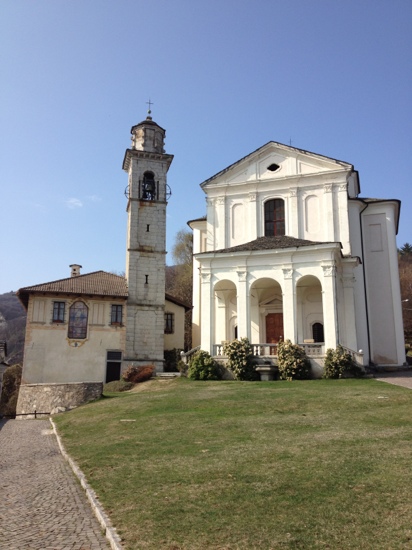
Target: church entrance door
<point x="274" y="328"/>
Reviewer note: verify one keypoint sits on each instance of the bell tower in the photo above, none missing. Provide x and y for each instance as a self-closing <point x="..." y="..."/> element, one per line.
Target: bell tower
<point x="147" y="193"/>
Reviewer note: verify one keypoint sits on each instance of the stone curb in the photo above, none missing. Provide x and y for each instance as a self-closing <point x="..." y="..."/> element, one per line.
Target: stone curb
<point x="109" y="530"/>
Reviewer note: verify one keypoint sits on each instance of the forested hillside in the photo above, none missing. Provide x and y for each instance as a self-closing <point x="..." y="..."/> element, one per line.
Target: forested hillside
<point x="12" y="326"/>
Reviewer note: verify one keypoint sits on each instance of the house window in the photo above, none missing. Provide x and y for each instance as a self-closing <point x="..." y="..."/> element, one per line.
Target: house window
<point x="169" y="323"/>
<point x="274" y="218"/>
<point x="317" y="332"/>
<point x="117" y="315"/>
<point x="58" y="312"/>
<point x="78" y="314"/>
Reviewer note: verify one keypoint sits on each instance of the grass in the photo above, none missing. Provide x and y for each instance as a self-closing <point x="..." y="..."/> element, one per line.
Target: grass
<point x="250" y="465"/>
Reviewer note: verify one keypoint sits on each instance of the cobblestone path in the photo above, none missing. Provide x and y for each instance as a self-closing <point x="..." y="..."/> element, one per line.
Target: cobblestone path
<point x="42" y="506"/>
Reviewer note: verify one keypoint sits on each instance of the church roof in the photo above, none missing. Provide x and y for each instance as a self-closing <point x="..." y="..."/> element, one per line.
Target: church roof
<point x="268" y="243"/>
<point x="98" y="283"/>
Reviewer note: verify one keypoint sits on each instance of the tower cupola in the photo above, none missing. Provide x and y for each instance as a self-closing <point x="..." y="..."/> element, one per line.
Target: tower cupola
<point x="148" y="136"/>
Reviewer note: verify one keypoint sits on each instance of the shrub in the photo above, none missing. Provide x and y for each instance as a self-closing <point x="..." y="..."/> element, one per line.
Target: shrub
<point x="10" y="391"/>
<point x="117" y="386"/>
<point x="136" y="374"/>
<point x="293" y="363"/>
<point x="240" y="359"/>
<point x="339" y="363"/>
<point x="204" y="367"/>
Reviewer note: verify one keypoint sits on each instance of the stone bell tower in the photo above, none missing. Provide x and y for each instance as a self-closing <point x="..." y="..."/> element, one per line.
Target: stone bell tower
<point x="147" y="192"/>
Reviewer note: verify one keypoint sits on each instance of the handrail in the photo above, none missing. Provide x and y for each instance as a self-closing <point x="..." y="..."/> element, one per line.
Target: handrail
<point x="35" y="413"/>
<point x="185" y="355"/>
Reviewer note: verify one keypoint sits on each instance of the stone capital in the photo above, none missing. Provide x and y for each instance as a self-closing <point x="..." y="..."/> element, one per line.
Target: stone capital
<point x="329" y="270"/>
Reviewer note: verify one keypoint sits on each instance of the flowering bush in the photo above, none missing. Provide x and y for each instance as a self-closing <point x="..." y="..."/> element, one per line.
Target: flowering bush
<point x="339" y="363"/>
<point x="136" y="374"/>
<point x="293" y="363"/>
<point x="240" y="359"/>
<point x="203" y="367"/>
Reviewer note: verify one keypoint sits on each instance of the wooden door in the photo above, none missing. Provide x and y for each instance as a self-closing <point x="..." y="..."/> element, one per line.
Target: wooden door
<point x="274" y="327"/>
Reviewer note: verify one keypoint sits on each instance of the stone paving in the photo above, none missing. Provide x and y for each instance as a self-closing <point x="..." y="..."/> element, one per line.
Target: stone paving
<point x="400" y="378"/>
<point x="42" y="506"/>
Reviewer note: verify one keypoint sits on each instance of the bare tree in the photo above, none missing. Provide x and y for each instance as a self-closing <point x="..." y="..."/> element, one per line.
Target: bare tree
<point x="179" y="277"/>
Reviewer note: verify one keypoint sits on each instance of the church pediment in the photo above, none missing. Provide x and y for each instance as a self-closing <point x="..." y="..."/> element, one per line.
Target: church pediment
<point x="274" y="161"/>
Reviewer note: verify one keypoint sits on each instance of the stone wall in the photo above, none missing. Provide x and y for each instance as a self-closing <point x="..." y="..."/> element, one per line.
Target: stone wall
<point x="54" y="398"/>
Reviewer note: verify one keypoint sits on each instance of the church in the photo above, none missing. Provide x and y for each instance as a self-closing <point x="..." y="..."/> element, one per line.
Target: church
<point x="85" y="330"/>
<point x="289" y="249"/>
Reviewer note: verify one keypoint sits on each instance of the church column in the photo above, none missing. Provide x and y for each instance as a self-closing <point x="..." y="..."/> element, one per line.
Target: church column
<point x="289" y="305"/>
<point x="220" y="223"/>
<point x="294" y="215"/>
<point x="330" y="314"/>
<point x="207" y="312"/>
<point x="210" y="227"/>
<point x="328" y="221"/>
<point x="252" y="229"/>
<point x="243" y="313"/>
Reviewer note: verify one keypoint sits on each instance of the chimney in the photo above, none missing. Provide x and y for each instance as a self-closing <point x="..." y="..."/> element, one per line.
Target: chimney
<point x="75" y="270"/>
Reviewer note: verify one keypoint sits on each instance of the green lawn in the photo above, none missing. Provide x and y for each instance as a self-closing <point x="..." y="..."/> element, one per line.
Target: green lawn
<point x="250" y="465"/>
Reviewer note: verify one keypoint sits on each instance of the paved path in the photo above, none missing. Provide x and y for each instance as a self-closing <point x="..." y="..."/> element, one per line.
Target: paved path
<point x="401" y="378"/>
<point x="42" y="506"/>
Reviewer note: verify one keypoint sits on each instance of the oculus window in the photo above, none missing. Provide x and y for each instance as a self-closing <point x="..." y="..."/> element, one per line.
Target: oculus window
<point x="274" y="218"/>
<point x="78" y="314"/>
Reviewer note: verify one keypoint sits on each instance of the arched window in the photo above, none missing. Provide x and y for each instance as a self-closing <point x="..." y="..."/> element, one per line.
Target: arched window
<point x="78" y="313"/>
<point x="149" y="187"/>
<point x="274" y="218"/>
<point x="317" y="332"/>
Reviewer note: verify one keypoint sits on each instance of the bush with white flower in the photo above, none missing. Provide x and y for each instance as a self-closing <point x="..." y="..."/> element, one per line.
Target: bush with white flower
<point x="240" y="359"/>
<point x="293" y="364"/>
<point x="339" y="363"/>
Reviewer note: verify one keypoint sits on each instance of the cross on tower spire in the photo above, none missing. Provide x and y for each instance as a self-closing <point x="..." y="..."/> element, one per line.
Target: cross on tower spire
<point x="150" y="103"/>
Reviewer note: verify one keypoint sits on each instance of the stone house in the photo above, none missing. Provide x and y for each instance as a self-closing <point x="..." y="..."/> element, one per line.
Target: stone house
<point x="288" y="249"/>
<point x="76" y="338"/>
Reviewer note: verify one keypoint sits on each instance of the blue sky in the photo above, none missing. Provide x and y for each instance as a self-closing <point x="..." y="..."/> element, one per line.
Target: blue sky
<point x="330" y="76"/>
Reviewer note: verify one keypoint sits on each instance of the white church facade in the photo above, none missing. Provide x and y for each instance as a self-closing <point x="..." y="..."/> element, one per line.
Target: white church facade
<point x="289" y="250"/>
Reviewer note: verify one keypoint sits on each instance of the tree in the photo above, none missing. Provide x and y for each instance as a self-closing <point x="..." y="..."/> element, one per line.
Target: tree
<point x="179" y="277"/>
<point x="406" y="249"/>
<point x="405" y="278"/>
